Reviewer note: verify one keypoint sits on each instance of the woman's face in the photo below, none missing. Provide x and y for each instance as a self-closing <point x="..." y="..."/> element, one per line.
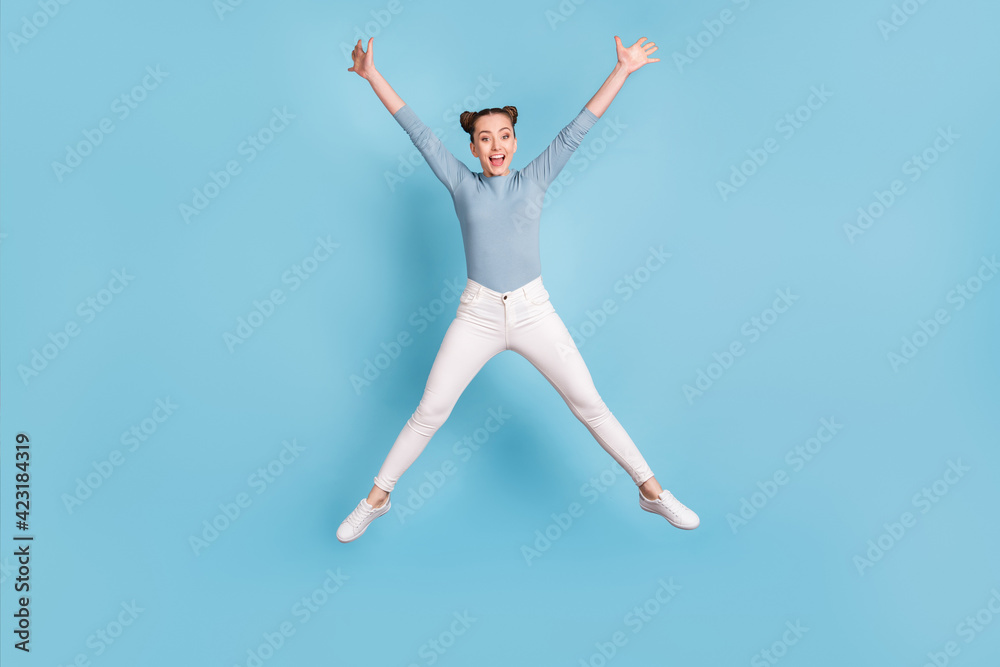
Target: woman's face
<point x="494" y="136"/>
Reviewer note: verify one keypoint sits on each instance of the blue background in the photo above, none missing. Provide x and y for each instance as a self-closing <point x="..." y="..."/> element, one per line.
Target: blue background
<point x="681" y="129"/>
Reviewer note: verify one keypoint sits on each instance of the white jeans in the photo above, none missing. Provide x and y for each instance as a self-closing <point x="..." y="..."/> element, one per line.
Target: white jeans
<point x="486" y="323"/>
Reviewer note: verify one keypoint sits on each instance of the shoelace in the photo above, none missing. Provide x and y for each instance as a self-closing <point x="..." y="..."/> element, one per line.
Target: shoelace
<point x="668" y="498"/>
<point x="357" y="516"/>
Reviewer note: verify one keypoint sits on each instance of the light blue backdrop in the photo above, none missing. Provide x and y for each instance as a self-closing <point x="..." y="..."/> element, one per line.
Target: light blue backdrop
<point x="844" y="463"/>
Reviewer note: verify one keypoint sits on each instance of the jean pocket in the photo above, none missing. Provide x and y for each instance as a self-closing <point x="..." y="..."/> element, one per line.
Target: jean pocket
<point x="468" y="295"/>
<point x="538" y="297"/>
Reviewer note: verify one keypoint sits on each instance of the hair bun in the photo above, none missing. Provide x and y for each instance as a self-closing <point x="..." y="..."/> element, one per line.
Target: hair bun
<point x="513" y="114"/>
<point x="467" y="120"/>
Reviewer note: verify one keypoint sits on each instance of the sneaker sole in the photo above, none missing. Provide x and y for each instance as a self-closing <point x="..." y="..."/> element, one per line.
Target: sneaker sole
<point x="387" y="505"/>
<point x="675" y="525"/>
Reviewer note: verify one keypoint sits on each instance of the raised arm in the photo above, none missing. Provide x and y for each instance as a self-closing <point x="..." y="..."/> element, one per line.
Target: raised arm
<point x="544" y="168"/>
<point x="364" y="66"/>
<point x="449" y="169"/>
<point x="629" y="60"/>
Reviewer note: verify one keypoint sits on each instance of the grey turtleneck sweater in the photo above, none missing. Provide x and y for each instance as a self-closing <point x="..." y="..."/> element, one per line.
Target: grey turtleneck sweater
<point x="499" y="215"/>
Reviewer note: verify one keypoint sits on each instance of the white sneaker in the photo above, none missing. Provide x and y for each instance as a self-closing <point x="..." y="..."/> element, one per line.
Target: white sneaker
<point x="357" y="521"/>
<point x="672" y="509"/>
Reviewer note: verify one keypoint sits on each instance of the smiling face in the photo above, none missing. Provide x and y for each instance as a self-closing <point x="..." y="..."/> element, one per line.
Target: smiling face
<point x="494" y="137"/>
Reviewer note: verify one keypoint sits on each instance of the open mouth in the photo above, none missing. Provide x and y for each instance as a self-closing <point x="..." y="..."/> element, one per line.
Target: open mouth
<point x="497" y="159"/>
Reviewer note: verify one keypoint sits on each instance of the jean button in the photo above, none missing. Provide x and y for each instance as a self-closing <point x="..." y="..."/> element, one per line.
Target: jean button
<point x="504" y="296"/>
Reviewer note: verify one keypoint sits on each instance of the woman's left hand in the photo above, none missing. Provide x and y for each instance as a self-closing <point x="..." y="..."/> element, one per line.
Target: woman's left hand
<point x="635" y="56"/>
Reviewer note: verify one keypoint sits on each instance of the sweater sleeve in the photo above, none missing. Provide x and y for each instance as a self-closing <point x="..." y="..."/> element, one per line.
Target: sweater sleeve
<point x="449" y="169"/>
<point x="544" y="168"/>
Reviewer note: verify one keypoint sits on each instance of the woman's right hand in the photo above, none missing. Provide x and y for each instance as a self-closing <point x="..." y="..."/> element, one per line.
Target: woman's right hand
<point x="363" y="64"/>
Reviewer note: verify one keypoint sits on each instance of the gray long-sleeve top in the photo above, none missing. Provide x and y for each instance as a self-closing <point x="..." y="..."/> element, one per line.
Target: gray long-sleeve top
<point x="499" y="215"/>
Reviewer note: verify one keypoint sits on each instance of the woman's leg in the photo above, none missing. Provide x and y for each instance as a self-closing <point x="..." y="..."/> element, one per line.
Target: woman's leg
<point x="466" y="348"/>
<point x="540" y="336"/>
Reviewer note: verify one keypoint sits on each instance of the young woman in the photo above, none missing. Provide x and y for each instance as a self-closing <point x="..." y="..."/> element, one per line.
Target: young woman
<point x="504" y="305"/>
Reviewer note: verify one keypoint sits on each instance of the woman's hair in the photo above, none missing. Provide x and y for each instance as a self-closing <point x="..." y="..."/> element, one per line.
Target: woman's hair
<point x="468" y="119"/>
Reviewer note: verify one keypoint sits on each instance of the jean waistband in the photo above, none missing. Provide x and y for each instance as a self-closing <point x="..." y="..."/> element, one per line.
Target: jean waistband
<point x="530" y="290"/>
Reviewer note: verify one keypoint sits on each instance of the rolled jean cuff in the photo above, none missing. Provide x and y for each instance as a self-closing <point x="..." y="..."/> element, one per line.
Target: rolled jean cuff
<point x="383" y="484"/>
<point x="643" y="477"/>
